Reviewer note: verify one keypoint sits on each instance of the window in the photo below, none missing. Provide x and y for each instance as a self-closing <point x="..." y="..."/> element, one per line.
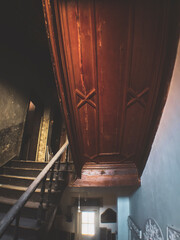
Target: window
<point x="88" y="223"/>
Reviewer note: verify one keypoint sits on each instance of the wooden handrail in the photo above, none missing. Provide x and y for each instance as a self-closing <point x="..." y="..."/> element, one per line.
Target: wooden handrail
<point x="13" y="212"/>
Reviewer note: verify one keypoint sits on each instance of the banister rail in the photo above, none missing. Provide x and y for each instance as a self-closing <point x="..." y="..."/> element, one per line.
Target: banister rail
<point x="15" y="210"/>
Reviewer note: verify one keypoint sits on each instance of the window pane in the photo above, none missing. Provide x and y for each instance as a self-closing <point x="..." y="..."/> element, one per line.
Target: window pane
<point x="91" y="229"/>
<point x="88" y="227"/>
<point x="84" y="229"/>
<point x="84" y="217"/>
<point x="88" y="217"/>
<point x="91" y="217"/>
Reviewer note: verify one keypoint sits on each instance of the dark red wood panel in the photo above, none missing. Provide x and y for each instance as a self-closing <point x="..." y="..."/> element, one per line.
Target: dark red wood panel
<point x="109" y="175"/>
<point x="112" y="28"/>
<point x="113" y="57"/>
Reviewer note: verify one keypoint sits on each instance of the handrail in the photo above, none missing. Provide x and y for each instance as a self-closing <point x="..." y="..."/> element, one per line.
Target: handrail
<point x="13" y="212"/>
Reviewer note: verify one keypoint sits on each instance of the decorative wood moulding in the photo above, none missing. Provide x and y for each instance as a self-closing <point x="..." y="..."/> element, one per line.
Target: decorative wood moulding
<point x="133" y="97"/>
<point x="113" y="62"/>
<point x="109" y="175"/>
<point x="86" y="99"/>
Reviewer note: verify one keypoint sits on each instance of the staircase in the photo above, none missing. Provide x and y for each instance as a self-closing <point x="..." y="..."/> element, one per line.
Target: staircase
<point x="15" y="177"/>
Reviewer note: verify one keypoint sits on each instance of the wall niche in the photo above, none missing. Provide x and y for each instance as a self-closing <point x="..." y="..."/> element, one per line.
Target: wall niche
<point x="108" y="216"/>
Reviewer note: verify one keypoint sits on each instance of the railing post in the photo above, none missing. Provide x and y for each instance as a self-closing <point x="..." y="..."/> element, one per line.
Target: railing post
<point x="56" y="187"/>
<point x="50" y="185"/>
<point x="16" y="234"/>
<point x="67" y="155"/>
<point x="40" y="209"/>
<point x="66" y="168"/>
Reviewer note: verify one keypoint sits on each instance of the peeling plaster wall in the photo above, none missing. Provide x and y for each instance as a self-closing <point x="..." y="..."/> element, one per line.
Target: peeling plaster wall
<point x="13" y="104"/>
<point x="159" y="194"/>
<point x="13" y="112"/>
<point x="19" y="80"/>
<point x="25" y="70"/>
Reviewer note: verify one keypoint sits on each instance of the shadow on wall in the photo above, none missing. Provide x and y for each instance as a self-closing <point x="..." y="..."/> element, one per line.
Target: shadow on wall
<point x="13" y="107"/>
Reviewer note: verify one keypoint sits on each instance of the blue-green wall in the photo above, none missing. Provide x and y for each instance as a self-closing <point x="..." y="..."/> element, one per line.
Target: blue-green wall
<point x="123" y="213"/>
<point x="159" y="195"/>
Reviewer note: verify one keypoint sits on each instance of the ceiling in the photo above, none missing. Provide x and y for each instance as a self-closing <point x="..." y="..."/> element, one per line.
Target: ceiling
<point x="113" y="62"/>
<point x="23" y="36"/>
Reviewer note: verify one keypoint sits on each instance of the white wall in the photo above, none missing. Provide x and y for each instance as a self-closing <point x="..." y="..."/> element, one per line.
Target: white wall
<point x="109" y="196"/>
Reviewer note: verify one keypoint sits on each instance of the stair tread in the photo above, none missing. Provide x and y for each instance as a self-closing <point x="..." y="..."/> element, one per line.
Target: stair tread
<point x="14" y="183"/>
<point x="23" y="168"/>
<point x="18" y="177"/>
<point x="18" y="188"/>
<point x="22" y="177"/>
<point x="28" y="223"/>
<point x="28" y="161"/>
<point x="9" y="237"/>
<point x="24" y="222"/>
<point x="11" y="201"/>
<point x="30" y="169"/>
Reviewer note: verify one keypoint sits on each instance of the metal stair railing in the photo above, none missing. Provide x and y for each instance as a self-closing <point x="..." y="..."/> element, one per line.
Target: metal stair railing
<point x="14" y="212"/>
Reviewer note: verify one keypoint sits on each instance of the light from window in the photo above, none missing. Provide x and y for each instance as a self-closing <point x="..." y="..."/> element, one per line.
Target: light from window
<point x="88" y="226"/>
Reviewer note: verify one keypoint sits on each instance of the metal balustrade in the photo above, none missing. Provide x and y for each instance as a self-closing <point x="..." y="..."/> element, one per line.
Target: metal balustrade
<point x="54" y="168"/>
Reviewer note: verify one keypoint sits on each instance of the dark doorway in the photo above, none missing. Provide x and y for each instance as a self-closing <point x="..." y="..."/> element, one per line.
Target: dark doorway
<point x="31" y="132"/>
